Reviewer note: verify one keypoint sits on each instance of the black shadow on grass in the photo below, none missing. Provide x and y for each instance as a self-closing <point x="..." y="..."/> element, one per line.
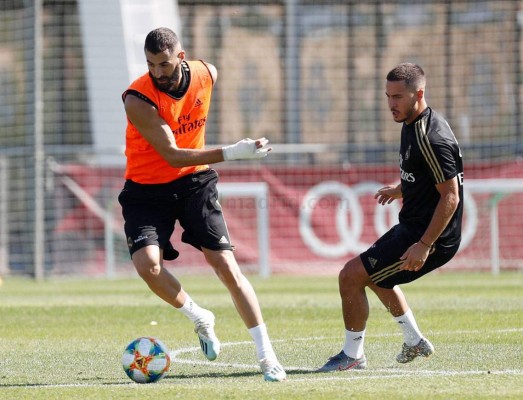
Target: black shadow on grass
<point x="173" y="377"/>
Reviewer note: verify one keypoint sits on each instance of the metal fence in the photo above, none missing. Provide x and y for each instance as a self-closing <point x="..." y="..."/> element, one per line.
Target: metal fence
<point x="309" y="75"/>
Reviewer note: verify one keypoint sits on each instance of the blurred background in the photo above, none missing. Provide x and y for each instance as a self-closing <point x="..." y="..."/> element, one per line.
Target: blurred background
<point x="307" y="74"/>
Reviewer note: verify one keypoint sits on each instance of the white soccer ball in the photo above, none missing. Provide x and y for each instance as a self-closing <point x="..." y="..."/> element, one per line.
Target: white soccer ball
<point x="146" y="360"/>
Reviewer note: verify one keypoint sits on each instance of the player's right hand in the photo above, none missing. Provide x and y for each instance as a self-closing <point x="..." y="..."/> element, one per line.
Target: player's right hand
<point x="246" y="149"/>
<point x="388" y="194"/>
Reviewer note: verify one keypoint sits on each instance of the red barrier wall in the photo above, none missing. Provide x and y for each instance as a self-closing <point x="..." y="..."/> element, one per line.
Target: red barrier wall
<point x="320" y="217"/>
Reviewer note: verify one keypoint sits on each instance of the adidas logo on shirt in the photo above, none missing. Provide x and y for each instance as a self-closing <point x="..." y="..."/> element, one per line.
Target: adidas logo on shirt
<point x="198" y="103"/>
<point x="223" y="239"/>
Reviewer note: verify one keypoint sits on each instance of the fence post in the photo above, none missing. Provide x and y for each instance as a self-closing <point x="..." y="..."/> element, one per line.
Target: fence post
<point x="4" y="223"/>
<point x="110" y="271"/>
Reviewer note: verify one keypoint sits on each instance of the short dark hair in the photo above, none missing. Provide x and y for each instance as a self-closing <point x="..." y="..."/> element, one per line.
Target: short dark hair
<point x="412" y="74"/>
<point x="161" y="39"/>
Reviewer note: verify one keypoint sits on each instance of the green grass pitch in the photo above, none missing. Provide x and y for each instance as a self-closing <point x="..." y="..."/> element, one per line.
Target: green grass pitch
<point x="63" y="339"/>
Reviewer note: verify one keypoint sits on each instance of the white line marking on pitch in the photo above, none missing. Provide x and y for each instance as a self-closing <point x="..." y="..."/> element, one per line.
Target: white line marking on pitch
<point x="337" y="376"/>
<point x="390" y="372"/>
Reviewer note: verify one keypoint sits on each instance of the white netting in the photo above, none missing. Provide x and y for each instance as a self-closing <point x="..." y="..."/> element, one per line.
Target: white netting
<point x="309" y="75"/>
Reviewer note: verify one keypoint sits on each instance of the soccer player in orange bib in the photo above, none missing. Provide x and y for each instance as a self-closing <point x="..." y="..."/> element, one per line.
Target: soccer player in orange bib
<point x="168" y="180"/>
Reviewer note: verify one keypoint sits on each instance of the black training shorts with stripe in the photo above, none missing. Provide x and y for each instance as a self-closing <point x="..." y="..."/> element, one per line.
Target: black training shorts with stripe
<point x="151" y="211"/>
<point x="382" y="259"/>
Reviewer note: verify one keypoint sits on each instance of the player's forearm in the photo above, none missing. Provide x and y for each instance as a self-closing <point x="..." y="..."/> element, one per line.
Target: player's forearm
<point x="179" y="158"/>
<point x="245" y="149"/>
<point x="443" y="213"/>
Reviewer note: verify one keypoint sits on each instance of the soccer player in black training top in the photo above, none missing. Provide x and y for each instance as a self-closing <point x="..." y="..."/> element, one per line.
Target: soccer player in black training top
<point x="429" y="230"/>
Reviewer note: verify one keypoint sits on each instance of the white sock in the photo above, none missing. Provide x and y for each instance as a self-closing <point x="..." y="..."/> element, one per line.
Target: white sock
<point x="411" y="333"/>
<point x="192" y="310"/>
<point x="262" y="342"/>
<point x="353" y="346"/>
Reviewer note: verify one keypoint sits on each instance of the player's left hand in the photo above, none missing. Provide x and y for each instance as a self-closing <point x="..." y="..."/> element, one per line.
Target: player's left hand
<point x="414" y="258"/>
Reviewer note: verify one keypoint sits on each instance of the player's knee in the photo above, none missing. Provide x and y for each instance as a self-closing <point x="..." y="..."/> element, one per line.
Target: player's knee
<point x="224" y="265"/>
<point x="155" y="270"/>
<point x="345" y="276"/>
<point x="148" y="270"/>
<point x="229" y="275"/>
<point x="147" y="262"/>
<point x="352" y="274"/>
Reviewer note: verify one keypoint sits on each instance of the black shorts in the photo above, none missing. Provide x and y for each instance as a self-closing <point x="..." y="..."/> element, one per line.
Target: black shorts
<point x="382" y="259"/>
<point x="150" y="213"/>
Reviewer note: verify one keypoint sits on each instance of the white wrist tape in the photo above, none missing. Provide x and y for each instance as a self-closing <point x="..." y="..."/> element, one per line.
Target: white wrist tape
<point x="243" y="150"/>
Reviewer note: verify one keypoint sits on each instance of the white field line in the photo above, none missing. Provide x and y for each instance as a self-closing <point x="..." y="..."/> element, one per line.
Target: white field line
<point x="391" y="373"/>
<point x="394" y="374"/>
<point x="336" y="376"/>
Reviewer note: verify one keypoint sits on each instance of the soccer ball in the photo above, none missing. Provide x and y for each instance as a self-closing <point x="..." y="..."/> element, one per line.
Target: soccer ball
<point x="146" y="360"/>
